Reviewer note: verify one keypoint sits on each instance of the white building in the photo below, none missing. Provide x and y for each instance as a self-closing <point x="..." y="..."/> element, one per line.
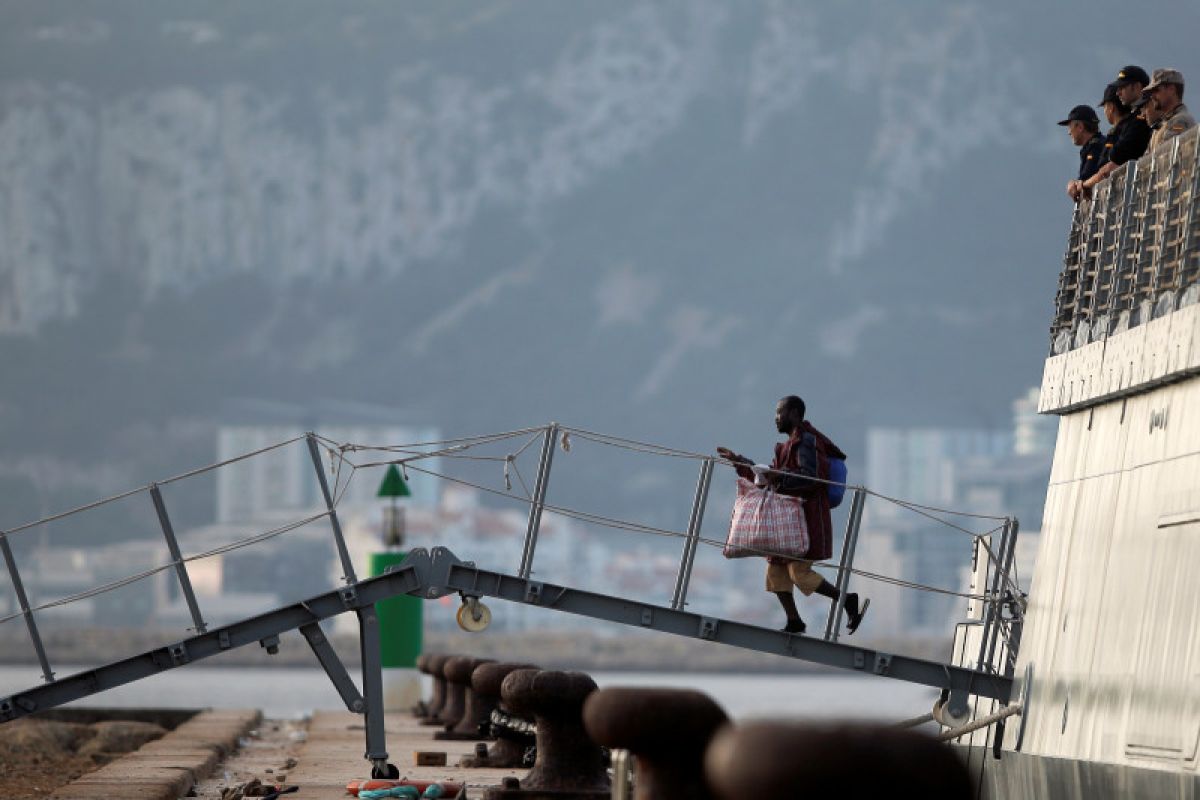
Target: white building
<point x="285" y="479"/>
<point x="978" y="471"/>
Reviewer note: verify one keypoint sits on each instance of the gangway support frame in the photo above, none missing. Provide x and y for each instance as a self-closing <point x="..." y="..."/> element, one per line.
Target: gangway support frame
<point x="452" y="575"/>
<point x="438" y="573"/>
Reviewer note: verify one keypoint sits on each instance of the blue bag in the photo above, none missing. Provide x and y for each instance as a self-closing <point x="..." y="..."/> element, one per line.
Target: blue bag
<point x="837" y="474"/>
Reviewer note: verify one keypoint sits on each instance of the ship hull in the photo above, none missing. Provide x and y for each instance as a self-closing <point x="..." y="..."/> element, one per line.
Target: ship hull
<point x="1025" y="776"/>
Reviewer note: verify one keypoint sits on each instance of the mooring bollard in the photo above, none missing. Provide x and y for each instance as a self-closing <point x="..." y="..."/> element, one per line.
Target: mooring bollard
<point x="458" y="676"/>
<point x="435" y="663"/>
<point x="667" y="730"/>
<point x="569" y="764"/>
<point x="772" y="759"/>
<point x="421" y="709"/>
<point x="512" y="734"/>
<point x="452" y="711"/>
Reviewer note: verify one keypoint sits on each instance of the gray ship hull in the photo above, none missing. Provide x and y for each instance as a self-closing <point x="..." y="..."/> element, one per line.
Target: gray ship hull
<point x="1019" y="775"/>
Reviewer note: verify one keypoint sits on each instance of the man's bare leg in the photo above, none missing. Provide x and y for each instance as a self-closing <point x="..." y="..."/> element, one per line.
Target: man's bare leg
<point x="794" y="623"/>
<point x="854" y="614"/>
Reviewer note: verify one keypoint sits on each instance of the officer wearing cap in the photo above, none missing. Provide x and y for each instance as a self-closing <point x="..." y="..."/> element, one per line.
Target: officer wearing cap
<point x="1083" y="126"/>
<point x="1166" y="95"/>
<point x="1131" y="136"/>
<point x="1114" y="112"/>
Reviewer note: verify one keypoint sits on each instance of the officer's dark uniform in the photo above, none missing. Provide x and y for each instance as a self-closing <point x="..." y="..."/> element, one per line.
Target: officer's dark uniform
<point x="1128" y="140"/>
<point x="1092" y="156"/>
<point x="1091" y="153"/>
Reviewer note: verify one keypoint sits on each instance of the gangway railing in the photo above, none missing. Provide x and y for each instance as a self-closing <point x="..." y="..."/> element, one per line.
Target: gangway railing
<point x="440" y="573"/>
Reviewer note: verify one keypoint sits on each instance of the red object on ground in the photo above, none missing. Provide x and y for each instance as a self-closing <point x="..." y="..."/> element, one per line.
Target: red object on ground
<point x="449" y="790"/>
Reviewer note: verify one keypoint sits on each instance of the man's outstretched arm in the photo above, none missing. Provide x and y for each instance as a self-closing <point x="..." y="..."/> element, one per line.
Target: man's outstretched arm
<point x="738" y="462"/>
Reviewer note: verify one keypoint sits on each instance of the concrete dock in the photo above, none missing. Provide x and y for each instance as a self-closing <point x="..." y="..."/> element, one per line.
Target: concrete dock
<point x="214" y="753"/>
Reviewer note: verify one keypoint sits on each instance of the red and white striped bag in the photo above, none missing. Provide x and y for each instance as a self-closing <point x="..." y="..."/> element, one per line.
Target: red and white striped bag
<point x="766" y="523"/>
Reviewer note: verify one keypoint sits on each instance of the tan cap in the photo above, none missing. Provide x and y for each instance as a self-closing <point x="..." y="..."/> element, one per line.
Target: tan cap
<point x="1162" y="76"/>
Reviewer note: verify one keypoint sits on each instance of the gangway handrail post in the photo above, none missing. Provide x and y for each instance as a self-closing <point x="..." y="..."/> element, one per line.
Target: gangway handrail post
<point x="695" y="521"/>
<point x="849" y="543"/>
<point x="1005" y="567"/>
<point x="26" y="611"/>
<point x="185" y="583"/>
<point x="347" y="565"/>
<point x="538" y="500"/>
<point x="990" y="609"/>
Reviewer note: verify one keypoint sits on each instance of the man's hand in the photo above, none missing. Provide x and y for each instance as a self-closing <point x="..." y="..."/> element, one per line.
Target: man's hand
<point x="1075" y="189"/>
<point x="727" y="454"/>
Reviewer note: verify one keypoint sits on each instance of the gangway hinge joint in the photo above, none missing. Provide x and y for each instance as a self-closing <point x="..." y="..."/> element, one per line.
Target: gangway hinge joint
<point x="883" y="663"/>
<point x="349" y="597"/>
<point x="270" y="644"/>
<point x="708" y="628"/>
<point x="8" y="707"/>
<point x="179" y="654"/>
<point x="647" y="617"/>
<point x="533" y="592"/>
<point x="223" y="640"/>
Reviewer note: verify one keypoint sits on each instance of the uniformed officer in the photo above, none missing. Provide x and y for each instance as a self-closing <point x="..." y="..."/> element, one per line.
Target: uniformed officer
<point x="1083" y="126"/>
<point x="1114" y="112"/>
<point x="1166" y="95"/>
<point x="1131" y="136"/>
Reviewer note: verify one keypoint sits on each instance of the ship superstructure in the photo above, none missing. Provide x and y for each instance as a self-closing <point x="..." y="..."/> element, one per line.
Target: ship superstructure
<point x="1109" y="659"/>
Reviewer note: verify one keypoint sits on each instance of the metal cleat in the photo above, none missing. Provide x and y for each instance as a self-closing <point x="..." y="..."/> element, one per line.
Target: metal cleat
<point x="666" y="729"/>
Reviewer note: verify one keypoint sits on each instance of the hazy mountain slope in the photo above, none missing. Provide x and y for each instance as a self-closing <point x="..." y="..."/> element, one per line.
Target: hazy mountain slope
<point x="650" y="218"/>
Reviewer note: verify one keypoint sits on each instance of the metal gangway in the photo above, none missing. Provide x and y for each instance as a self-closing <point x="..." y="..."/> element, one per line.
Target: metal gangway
<point x="438" y="572"/>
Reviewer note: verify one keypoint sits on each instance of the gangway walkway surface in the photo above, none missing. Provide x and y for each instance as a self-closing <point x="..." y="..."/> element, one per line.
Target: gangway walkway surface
<point x="432" y="574"/>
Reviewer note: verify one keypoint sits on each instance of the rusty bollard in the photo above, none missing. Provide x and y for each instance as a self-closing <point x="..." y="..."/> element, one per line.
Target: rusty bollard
<point x="421" y="709"/>
<point x="569" y="764"/>
<point x="452" y="710"/>
<point x="464" y="725"/>
<point x="511" y="732"/>
<point x="666" y="729"/>
<point x="434" y="665"/>
<point x="773" y="759"/>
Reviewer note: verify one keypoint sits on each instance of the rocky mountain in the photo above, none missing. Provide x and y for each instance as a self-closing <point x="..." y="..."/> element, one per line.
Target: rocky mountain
<point x="649" y="218"/>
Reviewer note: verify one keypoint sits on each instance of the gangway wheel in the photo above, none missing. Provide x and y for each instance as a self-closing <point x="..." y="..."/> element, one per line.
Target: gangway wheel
<point x="943" y="716"/>
<point x="389" y="772"/>
<point x="473" y="616"/>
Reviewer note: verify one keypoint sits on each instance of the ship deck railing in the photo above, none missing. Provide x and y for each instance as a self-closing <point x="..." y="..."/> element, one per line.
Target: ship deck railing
<point x="1133" y="253"/>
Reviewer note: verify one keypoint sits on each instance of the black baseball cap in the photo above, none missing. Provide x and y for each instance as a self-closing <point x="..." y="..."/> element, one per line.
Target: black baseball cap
<point x="1110" y="95"/>
<point x="1081" y="114"/>
<point x="1132" y="74"/>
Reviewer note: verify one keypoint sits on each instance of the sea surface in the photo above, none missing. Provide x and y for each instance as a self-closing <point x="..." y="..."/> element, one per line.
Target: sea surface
<point x="289" y="693"/>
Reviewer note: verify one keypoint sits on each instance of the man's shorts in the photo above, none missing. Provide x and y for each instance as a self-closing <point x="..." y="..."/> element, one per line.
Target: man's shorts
<point x="782" y="577"/>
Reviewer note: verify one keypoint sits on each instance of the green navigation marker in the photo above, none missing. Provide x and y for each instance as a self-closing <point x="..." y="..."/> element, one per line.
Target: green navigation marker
<point x="393" y="484"/>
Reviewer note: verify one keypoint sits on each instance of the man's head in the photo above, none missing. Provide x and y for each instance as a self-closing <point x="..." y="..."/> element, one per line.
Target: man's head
<point x="1130" y="82"/>
<point x="1114" y="109"/>
<point x="1145" y="108"/>
<point x="1082" y="124"/>
<point x="1166" y="89"/>
<point x="789" y="413"/>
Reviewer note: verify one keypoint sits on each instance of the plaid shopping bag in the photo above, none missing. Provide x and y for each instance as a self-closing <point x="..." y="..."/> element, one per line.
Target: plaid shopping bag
<point x="766" y="523"/>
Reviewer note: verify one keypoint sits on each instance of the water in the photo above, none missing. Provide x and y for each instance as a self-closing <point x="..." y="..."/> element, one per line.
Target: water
<point x="288" y="693"/>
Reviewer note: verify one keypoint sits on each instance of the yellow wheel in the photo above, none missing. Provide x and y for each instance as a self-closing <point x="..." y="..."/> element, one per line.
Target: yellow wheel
<point x="942" y="716"/>
<point x="474" y="616"/>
